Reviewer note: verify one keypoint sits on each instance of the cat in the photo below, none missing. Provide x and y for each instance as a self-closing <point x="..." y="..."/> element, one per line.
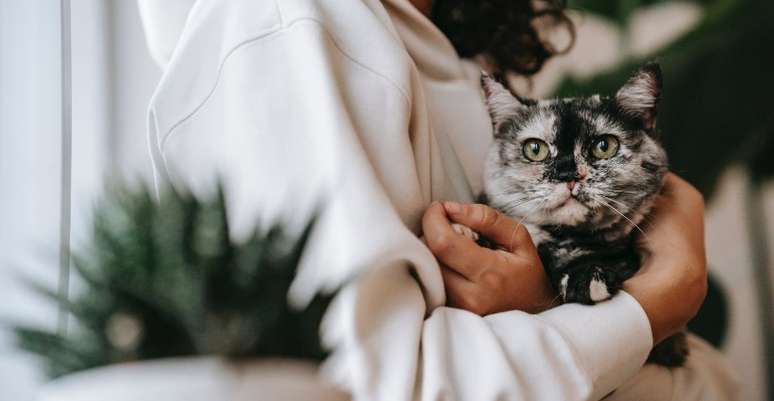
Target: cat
<point x="581" y="174"/>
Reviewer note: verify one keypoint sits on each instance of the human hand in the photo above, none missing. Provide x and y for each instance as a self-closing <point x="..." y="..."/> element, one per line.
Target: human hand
<point x="672" y="282"/>
<point x="482" y="280"/>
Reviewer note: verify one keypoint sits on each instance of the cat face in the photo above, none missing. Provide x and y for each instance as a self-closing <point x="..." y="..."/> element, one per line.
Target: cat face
<point x="581" y="162"/>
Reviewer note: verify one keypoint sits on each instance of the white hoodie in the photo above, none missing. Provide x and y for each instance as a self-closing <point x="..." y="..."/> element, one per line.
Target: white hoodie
<point x="363" y="108"/>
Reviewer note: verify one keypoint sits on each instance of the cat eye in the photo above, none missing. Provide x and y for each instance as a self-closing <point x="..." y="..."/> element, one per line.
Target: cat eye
<point x="604" y="147"/>
<point x="535" y="150"/>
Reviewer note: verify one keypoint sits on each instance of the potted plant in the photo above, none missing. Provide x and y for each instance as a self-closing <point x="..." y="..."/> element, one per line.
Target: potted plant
<point x="170" y="307"/>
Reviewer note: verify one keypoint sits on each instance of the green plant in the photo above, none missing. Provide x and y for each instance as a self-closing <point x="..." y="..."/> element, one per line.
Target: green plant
<point x="164" y="279"/>
<point x="620" y="12"/>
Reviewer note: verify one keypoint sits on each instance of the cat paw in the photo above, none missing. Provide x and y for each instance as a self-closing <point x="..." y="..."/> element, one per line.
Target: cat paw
<point x="588" y="286"/>
<point x="465" y="230"/>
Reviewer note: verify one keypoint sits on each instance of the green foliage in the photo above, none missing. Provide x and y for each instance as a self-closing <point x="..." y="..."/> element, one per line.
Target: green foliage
<point x="717" y="90"/>
<point x="164" y="279"/>
<point x="620" y="11"/>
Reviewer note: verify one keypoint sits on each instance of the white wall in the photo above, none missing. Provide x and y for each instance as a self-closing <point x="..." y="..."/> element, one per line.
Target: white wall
<point x="113" y="78"/>
<point x="29" y="173"/>
<point x="135" y="76"/>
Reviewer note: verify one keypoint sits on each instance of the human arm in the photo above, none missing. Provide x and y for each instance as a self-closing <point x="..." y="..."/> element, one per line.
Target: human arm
<point x="672" y="283"/>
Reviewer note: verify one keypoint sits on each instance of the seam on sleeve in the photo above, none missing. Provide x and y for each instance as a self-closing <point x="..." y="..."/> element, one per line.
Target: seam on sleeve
<point x="278" y="30"/>
<point x="362" y="65"/>
<point x="165" y="137"/>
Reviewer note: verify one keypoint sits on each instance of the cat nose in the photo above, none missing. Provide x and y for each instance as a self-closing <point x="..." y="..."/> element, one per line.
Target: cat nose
<point x="570" y="185"/>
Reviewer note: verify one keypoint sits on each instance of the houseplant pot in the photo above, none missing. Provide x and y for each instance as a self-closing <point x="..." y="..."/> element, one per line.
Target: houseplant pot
<point x="196" y="379"/>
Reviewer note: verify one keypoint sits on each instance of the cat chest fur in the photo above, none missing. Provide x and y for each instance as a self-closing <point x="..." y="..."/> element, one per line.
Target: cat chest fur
<point x="586" y="268"/>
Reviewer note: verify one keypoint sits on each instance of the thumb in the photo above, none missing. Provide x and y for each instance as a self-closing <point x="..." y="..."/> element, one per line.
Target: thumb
<point x="501" y="229"/>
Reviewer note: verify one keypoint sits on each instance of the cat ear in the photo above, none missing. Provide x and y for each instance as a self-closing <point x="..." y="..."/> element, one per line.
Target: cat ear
<point x="640" y="95"/>
<point x="501" y="103"/>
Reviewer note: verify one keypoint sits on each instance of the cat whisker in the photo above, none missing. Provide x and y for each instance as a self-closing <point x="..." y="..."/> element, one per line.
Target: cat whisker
<point x="535" y="209"/>
<point x="624" y="216"/>
<point x="553" y="301"/>
<point x="510" y="209"/>
<point x="614" y="201"/>
<point x="645" y="218"/>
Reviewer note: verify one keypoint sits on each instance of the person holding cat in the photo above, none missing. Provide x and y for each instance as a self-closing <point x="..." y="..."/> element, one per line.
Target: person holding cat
<point x="371" y="114"/>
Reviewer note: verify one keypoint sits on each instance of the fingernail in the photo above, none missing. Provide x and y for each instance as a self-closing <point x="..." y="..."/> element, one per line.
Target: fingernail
<point x="452" y="207"/>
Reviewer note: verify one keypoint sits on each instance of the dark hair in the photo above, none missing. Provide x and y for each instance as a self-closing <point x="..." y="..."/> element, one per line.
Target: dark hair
<point x="503" y="31"/>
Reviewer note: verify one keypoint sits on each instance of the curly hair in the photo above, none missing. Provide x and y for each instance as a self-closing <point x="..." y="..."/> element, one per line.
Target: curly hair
<point x="504" y="32"/>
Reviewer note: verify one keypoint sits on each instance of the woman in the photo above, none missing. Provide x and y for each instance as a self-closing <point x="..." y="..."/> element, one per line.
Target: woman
<point x="365" y="107"/>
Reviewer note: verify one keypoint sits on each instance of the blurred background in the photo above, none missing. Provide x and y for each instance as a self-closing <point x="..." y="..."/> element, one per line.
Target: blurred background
<point x="717" y="57"/>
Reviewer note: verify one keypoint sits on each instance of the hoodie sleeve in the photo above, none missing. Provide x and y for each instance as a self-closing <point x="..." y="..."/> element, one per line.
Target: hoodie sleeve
<point x="573" y="352"/>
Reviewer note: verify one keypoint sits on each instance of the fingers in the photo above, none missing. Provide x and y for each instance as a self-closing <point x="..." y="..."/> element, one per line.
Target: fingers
<point x="483" y="280"/>
<point x="690" y="203"/>
<point x="456" y="251"/>
<point x="672" y="181"/>
<point x="501" y="229"/>
<point x="678" y="214"/>
<point x="683" y="193"/>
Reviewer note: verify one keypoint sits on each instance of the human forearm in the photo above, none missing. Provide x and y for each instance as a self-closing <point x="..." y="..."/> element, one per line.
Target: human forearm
<point x="672" y="282"/>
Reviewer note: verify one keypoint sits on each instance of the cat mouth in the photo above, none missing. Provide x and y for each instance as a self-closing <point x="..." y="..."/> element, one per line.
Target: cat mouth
<point x="569" y="201"/>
